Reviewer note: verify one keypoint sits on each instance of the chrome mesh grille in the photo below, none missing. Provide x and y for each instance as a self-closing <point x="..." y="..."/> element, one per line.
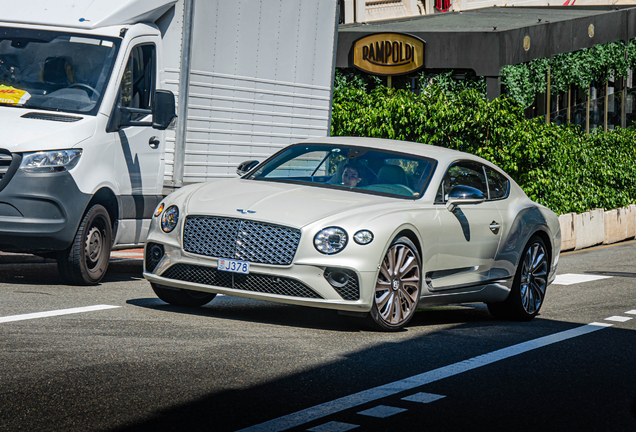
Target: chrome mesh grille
<point x="245" y="282"/>
<point x="240" y="239"/>
<point x="350" y="290"/>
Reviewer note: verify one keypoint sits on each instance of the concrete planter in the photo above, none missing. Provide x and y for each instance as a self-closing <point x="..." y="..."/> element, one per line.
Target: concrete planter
<point x="568" y="231"/>
<point x="619" y="224"/>
<point x="579" y="231"/>
<point x="590" y="228"/>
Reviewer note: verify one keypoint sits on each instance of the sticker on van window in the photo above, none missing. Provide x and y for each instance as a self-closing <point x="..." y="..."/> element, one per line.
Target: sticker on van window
<point x="13" y="96"/>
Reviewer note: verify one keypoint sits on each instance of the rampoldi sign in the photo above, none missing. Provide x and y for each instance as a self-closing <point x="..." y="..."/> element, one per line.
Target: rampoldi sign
<point x="388" y="54"/>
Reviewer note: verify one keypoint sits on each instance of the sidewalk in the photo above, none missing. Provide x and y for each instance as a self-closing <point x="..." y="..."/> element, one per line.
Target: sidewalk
<point x="16" y="258"/>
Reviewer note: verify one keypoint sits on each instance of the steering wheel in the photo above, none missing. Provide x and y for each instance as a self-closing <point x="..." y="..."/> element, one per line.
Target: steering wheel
<point x="85" y="87"/>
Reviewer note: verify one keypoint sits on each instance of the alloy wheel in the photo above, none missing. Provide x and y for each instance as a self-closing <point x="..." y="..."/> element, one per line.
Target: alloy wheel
<point x="534" y="273"/>
<point x="397" y="286"/>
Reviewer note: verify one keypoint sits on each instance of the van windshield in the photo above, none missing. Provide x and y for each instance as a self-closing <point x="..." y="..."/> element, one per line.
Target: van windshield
<point x="54" y="71"/>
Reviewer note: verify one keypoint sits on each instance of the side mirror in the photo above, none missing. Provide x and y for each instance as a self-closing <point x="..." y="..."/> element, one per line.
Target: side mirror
<point x="163" y="113"/>
<point x="461" y="194"/>
<point x="244" y="167"/>
<point x="163" y="109"/>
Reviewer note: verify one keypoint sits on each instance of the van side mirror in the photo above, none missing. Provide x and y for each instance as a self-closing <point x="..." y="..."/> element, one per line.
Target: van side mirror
<point x="163" y="113"/>
<point x="245" y="167"/>
<point x="163" y="109"/>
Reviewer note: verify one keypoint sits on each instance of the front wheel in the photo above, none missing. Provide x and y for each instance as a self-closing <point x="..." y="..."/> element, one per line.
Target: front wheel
<point x="529" y="285"/>
<point x="86" y="261"/>
<point x="398" y="287"/>
<point x="182" y="297"/>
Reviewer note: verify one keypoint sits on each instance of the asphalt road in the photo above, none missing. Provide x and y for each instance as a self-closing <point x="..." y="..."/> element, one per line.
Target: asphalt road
<point x="236" y="363"/>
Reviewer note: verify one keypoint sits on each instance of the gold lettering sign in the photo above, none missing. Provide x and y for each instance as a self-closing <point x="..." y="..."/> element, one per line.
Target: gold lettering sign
<point x="388" y="54"/>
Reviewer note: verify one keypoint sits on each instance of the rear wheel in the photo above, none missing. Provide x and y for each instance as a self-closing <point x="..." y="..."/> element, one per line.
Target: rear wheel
<point x="182" y="297"/>
<point x="529" y="286"/>
<point x="86" y="261"/>
<point x="398" y="287"/>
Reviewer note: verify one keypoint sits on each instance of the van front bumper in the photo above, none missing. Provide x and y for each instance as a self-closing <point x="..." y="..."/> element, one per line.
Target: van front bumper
<point x="40" y="212"/>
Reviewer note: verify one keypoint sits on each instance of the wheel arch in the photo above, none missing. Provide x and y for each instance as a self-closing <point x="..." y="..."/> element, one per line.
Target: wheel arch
<point x="106" y="198"/>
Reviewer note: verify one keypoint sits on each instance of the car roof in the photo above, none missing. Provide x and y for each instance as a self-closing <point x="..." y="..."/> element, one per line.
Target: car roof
<point x="441" y="154"/>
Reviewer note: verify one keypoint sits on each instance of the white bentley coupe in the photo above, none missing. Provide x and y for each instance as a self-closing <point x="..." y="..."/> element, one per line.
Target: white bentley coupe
<point x="369" y="227"/>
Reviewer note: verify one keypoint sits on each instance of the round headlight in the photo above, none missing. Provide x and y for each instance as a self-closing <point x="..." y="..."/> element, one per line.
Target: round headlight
<point x="330" y="240"/>
<point x="363" y="237"/>
<point x="170" y="219"/>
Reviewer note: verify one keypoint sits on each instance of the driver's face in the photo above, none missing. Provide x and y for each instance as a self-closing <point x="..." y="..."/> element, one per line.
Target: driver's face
<point x="350" y="177"/>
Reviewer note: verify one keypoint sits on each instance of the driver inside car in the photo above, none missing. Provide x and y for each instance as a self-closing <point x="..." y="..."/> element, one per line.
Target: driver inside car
<point x="58" y="71"/>
<point x="352" y="174"/>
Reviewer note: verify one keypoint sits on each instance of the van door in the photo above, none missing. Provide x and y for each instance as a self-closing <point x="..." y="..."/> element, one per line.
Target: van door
<point x="139" y="156"/>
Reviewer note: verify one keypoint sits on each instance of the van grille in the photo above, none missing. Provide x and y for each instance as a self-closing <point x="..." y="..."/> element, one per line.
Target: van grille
<point x="240" y="239"/>
<point x="5" y="161"/>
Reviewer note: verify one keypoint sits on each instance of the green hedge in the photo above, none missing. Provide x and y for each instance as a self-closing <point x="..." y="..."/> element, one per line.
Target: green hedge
<point x="561" y="167"/>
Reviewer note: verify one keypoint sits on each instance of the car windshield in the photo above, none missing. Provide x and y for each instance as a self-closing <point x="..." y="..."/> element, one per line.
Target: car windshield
<point x="357" y="169"/>
<point x="54" y="71"/>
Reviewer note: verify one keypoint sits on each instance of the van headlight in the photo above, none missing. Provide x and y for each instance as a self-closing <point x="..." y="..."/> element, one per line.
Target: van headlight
<point x="50" y="161"/>
<point x="331" y="240"/>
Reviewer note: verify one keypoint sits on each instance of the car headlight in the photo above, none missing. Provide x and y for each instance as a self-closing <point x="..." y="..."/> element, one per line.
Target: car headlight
<point x="331" y="240"/>
<point x="363" y="237"/>
<point x="50" y="161"/>
<point x="159" y="210"/>
<point x="170" y="219"/>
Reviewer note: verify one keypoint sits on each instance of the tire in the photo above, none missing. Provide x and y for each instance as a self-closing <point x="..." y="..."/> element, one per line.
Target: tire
<point x="529" y="286"/>
<point x="182" y="297"/>
<point x="398" y="287"/>
<point x="86" y="261"/>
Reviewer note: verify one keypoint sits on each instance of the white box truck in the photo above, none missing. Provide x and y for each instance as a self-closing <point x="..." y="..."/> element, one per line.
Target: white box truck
<point x="89" y="90"/>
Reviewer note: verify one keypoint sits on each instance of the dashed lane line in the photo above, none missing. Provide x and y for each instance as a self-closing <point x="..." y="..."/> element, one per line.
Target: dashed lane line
<point x="53" y="313"/>
<point x="571" y="278"/>
<point x="617" y="318"/>
<point x="347" y="402"/>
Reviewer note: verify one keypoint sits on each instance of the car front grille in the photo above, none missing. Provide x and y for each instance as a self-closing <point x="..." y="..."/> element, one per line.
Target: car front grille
<point x="240" y="239"/>
<point x="245" y="282"/>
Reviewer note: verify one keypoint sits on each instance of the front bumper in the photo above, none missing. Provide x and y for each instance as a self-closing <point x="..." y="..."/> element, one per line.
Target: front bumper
<point x="40" y="212"/>
<point x="299" y="284"/>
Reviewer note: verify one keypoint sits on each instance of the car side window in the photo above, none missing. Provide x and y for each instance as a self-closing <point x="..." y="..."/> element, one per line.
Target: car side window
<point x="498" y="184"/>
<point x="138" y="82"/>
<point x="463" y="173"/>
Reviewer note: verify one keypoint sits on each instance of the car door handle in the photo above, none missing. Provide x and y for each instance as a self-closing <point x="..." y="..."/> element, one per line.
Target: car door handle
<point x="153" y="142"/>
<point x="494" y="227"/>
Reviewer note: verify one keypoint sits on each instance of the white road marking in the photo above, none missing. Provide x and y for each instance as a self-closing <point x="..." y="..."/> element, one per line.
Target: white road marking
<point x="631" y="312"/>
<point x="618" y="318"/>
<point x="52" y="313"/>
<point x="334" y="427"/>
<point x="382" y="411"/>
<point x="571" y="279"/>
<point x="344" y="403"/>
<point x="423" y="397"/>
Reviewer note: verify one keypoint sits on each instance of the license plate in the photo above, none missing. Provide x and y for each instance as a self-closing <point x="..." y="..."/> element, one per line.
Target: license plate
<point x="234" y="266"/>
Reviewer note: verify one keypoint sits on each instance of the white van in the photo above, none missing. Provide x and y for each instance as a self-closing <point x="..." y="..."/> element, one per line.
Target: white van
<point x="87" y="100"/>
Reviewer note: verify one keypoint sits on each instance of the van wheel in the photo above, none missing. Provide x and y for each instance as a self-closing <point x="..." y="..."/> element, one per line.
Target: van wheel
<point x="86" y="261"/>
<point x="182" y="297"/>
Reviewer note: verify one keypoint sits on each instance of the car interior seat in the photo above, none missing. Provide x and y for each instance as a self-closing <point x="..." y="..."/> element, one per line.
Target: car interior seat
<point x="392" y="174"/>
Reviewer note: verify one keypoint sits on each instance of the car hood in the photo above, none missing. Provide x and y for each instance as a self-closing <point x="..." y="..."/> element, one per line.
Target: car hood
<point x="20" y="134"/>
<point x="280" y="203"/>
